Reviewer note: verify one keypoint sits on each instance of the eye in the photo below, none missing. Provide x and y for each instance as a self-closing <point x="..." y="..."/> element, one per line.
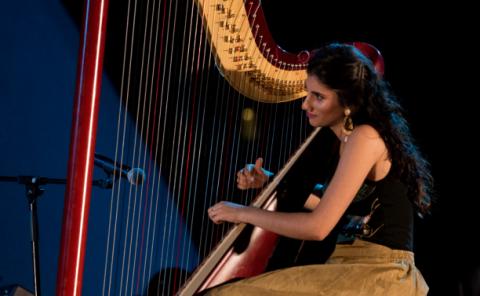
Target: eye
<point x="317" y="96"/>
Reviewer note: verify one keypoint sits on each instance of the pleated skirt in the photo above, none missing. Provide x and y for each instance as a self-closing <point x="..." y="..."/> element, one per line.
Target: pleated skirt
<point x="362" y="268"/>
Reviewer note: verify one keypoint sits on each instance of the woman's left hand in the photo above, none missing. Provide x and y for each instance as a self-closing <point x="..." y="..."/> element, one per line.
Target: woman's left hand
<point x="226" y="211"/>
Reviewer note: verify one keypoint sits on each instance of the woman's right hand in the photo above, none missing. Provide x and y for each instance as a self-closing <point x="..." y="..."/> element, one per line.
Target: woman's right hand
<point x="253" y="175"/>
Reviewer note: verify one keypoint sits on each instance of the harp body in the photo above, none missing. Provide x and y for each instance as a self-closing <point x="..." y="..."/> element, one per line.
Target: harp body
<point x="204" y="277"/>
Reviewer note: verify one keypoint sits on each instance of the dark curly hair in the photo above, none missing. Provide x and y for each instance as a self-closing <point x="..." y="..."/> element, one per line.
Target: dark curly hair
<point x="343" y="68"/>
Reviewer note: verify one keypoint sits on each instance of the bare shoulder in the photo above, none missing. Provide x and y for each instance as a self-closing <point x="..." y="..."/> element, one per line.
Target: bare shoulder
<point x="366" y="131"/>
<point x="368" y="137"/>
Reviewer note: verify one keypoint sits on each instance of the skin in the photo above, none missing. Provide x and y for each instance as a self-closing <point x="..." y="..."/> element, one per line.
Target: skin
<point x="363" y="156"/>
<point x="253" y="176"/>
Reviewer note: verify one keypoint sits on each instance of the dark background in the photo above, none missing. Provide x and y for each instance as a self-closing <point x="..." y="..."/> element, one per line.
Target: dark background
<point x="430" y="62"/>
<point x="428" y="52"/>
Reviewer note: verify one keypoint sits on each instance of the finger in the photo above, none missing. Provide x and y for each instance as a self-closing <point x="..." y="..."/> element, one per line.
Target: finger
<point x="242" y="186"/>
<point x="259" y="163"/>
<point x="214" y="207"/>
<point x="215" y="219"/>
<point x="242" y="182"/>
<point x="258" y="167"/>
<point x="243" y="172"/>
<point x="249" y="174"/>
<point x="249" y="168"/>
<point x="242" y="178"/>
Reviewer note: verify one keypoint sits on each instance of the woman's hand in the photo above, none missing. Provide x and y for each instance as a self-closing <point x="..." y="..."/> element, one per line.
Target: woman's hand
<point x="253" y="176"/>
<point x="225" y="211"/>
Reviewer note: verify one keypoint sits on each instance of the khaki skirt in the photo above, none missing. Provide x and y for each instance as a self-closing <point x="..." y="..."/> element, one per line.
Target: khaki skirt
<point x="362" y="268"/>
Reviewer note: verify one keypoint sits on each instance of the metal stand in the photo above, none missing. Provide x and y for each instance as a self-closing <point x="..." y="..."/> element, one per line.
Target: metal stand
<point x="33" y="191"/>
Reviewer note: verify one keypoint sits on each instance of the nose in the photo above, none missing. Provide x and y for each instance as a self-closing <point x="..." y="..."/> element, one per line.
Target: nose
<point x="306" y="104"/>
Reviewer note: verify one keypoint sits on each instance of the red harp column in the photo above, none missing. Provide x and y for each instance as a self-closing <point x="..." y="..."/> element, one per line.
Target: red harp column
<point x="82" y="148"/>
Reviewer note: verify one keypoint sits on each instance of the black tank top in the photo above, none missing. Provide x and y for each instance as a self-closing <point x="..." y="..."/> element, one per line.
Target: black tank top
<point x="382" y="213"/>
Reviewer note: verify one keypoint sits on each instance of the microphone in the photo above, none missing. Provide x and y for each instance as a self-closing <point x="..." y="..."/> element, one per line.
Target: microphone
<point x="135" y="176"/>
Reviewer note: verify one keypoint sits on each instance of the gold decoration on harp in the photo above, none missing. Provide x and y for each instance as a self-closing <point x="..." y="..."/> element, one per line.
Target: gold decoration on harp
<point x="251" y="70"/>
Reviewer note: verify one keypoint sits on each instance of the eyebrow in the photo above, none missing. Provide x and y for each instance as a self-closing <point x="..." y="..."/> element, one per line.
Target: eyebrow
<point x="321" y="94"/>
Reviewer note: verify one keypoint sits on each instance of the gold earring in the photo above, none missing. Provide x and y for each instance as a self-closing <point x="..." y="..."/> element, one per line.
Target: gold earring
<point x="347" y="127"/>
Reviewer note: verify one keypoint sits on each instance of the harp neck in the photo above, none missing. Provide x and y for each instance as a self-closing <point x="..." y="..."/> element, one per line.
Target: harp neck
<point x="246" y="54"/>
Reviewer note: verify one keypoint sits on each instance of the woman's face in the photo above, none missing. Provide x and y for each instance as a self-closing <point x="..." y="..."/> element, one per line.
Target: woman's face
<point x="322" y="104"/>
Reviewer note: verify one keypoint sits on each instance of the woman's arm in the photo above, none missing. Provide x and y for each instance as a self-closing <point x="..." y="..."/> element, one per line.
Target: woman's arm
<point x="363" y="149"/>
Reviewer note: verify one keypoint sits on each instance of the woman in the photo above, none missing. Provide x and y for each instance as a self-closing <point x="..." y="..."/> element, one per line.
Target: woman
<point x="379" y="182"/>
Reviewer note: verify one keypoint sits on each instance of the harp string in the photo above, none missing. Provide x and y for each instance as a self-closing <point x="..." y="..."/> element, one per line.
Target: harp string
<point x="164" y="91"/>
<point x="147" y="110"/>
<point x="144" y="276"/>
<point x="139" y="216"/>
<point x="119" y="154"/>
<point x="169" y="75"/>
<point x="195" y="64"/>
<point x="221" y="182"/>
<point x="128" y="226"/>
<point x="241" y="157"/>
<point x="204" y="62"/>
<point x="177" y="164"/>
<point x="251" y="151"/>
<point x="203" y="91"/>
<point x="151" y="183"/>
<point x="154" y="139"/>
<point x="213" y="182"/>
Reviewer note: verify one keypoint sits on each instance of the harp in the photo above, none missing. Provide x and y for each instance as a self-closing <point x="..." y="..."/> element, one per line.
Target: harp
<point x="184" y="125"/>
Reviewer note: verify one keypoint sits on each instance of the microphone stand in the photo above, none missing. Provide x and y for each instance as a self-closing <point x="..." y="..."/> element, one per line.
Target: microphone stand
<point x="33" y="191"/>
